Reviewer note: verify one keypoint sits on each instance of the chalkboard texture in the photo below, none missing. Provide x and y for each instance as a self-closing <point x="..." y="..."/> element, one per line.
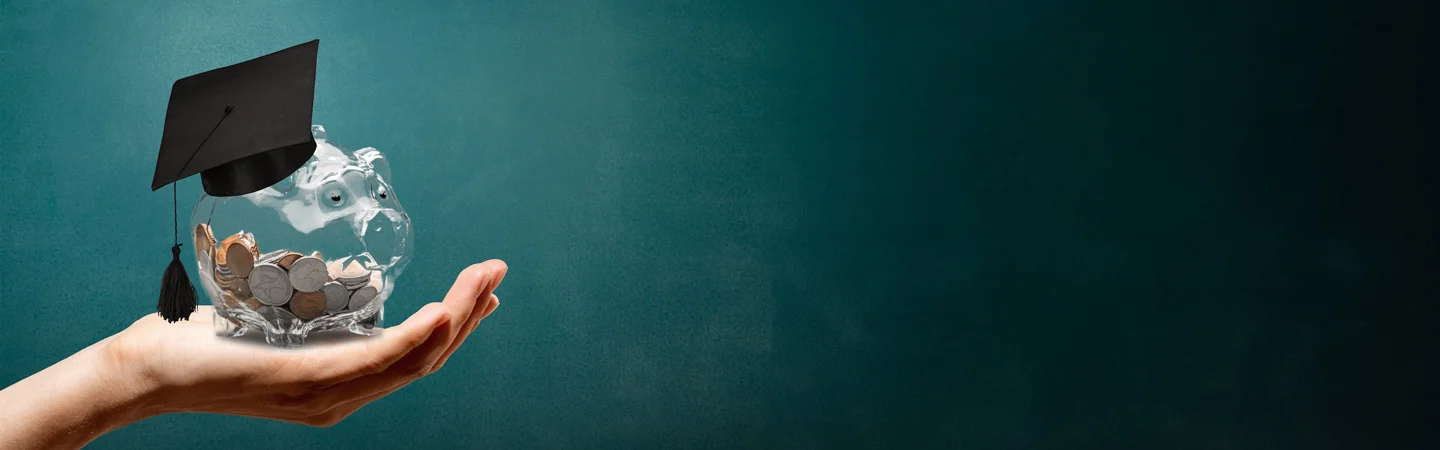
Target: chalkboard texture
<point x="801" y="224"/>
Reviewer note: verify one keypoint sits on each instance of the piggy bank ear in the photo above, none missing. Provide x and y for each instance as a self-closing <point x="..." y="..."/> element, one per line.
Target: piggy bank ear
<point x="372" y="159"/>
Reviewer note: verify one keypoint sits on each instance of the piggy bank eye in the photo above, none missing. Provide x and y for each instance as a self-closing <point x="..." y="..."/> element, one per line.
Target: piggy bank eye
<point x="335" y="197"/>
<point x="378" y="188"/>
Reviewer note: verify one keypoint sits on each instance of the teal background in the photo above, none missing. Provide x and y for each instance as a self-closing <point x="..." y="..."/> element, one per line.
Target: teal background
<point x="789" y="224"/>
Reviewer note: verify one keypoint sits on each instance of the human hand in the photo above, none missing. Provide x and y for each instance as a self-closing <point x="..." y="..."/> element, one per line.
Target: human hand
<point x="185" y="368"/>
<point x="154" y="367"/>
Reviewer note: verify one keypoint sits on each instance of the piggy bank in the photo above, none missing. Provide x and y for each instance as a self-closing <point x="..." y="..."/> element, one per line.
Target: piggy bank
<point x="319" y="250"/>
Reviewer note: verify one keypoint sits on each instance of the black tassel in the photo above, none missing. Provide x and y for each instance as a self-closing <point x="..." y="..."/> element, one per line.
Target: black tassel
<point x="177" y="295"/>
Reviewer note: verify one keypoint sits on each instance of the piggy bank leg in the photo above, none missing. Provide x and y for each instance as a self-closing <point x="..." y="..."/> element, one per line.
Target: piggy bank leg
<point x="369" y="326"/>
<point x="285" y="338"/>
<point x="225" y="326"/>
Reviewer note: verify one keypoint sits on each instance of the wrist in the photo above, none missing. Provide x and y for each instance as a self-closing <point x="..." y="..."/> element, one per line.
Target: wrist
<point x="122" y="394"/>
<point x="72" y="402"/>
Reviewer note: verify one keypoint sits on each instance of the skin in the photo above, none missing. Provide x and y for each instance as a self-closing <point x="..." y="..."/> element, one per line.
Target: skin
<point x="154" y="368"/>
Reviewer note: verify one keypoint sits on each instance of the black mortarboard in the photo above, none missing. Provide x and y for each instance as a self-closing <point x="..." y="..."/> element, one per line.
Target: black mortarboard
<point x="242" y="128"/>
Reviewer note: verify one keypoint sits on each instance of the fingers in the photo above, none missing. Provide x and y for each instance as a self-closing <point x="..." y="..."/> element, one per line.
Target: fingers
<point x="402" y="354"/>
<point x="337" y="364"/>
<point x="491" y="273"/>
<point x="347" y="407"/>
<point x="409" y="368"/>
<point x="306" y="400"/>
<point x="474" y="283"/>
<point x="492" y="303"/>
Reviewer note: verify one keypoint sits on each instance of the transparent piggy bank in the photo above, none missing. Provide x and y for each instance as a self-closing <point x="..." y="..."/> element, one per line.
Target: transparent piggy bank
<point x="317" y="251"/>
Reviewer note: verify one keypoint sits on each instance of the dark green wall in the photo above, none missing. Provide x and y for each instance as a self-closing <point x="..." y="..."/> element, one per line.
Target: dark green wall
<point x="1024" y="224"/>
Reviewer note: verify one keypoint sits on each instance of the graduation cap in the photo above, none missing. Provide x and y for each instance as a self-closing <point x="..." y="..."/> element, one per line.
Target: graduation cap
<point x="243" y="128"/>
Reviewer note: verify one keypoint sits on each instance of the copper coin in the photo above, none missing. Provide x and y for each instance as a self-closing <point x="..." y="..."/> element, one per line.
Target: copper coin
<point x="220" y="256"/>
<point x="242" y="290"/>
<point x="307" y="305"/>
<point x="253" y="303"/>
<point x="285" y="261"/>
<point x="229" y="300"/>
<point x="239" y="258"/>
<point x="204" y="240"/>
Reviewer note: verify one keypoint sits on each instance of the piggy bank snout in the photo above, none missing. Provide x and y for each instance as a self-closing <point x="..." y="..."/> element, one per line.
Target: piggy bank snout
<point x="385" y="233"/>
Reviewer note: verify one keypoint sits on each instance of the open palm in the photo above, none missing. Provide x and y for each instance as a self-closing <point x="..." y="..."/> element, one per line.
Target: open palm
<point x="186" y="368"/>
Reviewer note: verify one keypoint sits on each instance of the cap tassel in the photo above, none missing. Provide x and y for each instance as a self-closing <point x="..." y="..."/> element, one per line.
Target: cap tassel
<point x="177" y="295"/>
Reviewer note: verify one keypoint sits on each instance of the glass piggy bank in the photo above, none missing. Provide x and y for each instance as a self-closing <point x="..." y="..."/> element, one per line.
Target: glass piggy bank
<point x="319" y="250"/>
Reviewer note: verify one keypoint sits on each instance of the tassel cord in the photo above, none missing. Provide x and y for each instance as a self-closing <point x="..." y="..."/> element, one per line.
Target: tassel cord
<point x="177" y="295"/>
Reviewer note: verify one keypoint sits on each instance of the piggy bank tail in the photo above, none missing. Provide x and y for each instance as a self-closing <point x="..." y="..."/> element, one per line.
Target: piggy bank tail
<point x="177" y="295"/>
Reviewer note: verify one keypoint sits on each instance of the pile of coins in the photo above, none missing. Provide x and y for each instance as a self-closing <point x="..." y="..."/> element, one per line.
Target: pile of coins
<point x="284" y="285"/>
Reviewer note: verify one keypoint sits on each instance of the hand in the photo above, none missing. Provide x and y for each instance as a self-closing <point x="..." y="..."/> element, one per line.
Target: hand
<point x="154" y="367"/>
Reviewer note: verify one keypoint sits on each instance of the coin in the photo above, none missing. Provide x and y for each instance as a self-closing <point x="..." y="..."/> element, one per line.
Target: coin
<point x="353" y="276"/>
<point x="220" y="256"/>
<point x="308" y="274"/>
<point x="270" y="284"/>
<point x="222" y="277"/>
<point x="354" y="282"/>
<point x="362" y="297"/>
<point x="239" y="258"/>
<point x="272" y="256"/>
<point x="287" y="260"/>
<point x="242" y="289"/>
<point x="242" y="238"/>
<point x="223" y="270"/>
<point x="249" y="241"/>
<point x="204" y="240"/>
<point x="307" y="305"/>
<point x="229" y="301"/>
<point x="336" y="296"/>
<point x="253" y="303"/>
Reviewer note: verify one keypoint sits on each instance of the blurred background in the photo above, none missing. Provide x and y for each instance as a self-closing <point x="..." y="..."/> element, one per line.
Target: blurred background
<point x="801" y="224"/>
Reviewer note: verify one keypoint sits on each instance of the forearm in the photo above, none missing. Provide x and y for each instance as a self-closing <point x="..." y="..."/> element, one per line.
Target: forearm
<point x="70" y="403"/>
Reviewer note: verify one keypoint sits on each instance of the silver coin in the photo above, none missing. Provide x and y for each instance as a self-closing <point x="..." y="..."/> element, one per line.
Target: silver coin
<point x="336" y="296"/>
<point x="272" y="256"/>
<point x="374" y="279"/>
<point x="354" y="281"/>
<point x="270" y="284"/>
<point x="224" y="270"/>
<point x="221" y="279"/>
<point x="308" y="274"/>
<point x="362" y="297"/>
